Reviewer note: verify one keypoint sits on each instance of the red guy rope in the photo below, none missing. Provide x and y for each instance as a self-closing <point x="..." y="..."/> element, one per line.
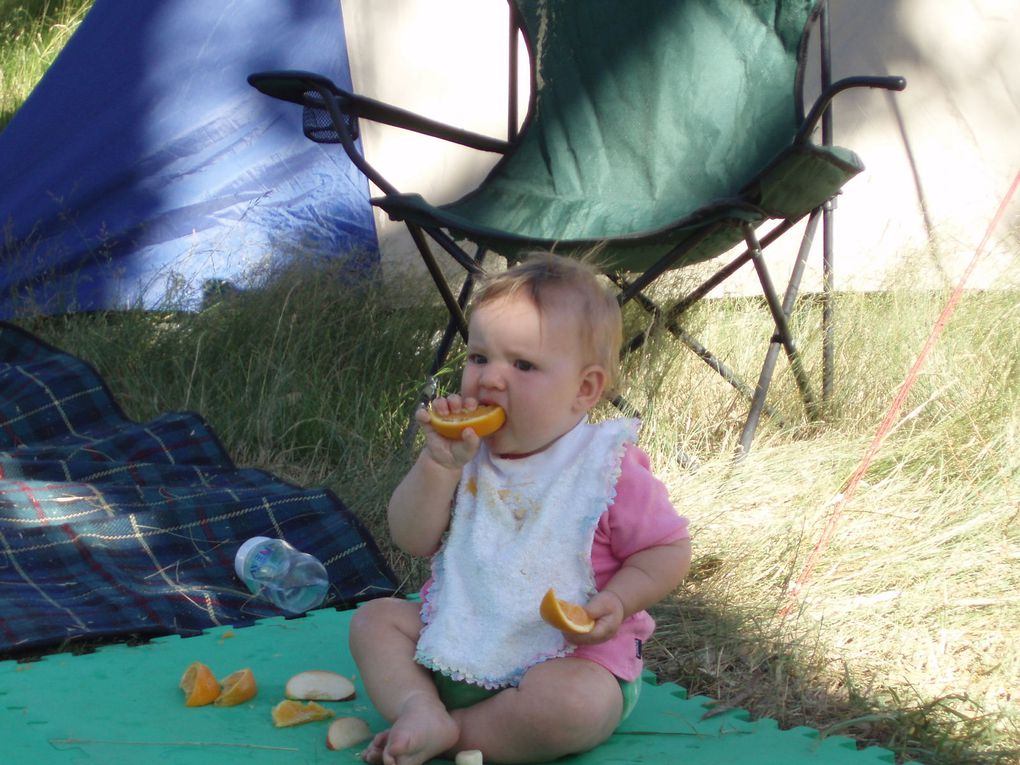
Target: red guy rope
<point x="850" y="487"/>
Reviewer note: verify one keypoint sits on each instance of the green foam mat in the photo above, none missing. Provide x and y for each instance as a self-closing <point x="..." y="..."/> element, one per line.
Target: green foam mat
<point x="122" y="704"/>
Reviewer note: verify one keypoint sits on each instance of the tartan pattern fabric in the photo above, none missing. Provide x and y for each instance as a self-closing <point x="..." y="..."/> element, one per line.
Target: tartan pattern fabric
<point x="111" y="527"/>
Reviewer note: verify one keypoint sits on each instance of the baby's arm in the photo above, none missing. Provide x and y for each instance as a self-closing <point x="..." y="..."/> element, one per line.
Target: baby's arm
<point x="650" y="540"/>
<point x="419" y="510"/>
<point x="645" y="578"/>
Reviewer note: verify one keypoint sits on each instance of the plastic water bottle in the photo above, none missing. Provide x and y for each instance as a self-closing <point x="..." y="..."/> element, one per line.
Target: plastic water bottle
<point x="291" y="580"/>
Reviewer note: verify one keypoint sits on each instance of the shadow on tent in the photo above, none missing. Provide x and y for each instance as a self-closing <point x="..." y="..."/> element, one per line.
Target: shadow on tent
<point x="664" y="137"/>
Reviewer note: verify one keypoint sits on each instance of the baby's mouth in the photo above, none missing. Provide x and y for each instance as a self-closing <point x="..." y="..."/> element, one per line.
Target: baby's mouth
<point x="491" y="402"/>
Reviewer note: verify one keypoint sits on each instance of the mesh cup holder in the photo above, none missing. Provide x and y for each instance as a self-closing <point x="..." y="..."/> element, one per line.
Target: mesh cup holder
<point x="317" y="123"/>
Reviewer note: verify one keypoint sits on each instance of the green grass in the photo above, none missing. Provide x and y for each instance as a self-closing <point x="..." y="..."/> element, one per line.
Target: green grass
<point x="906" y="634"/>
<point x="33" y="33"/>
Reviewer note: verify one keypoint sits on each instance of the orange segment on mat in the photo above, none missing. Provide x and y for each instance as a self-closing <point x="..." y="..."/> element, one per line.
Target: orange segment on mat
<point x="199" y="685"/>
<point x="238" y="687"/>
<point x="289" y="712"/>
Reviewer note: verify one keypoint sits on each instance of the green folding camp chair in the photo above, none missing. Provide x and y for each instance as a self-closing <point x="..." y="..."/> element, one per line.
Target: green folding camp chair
<point x="664" y="132"/>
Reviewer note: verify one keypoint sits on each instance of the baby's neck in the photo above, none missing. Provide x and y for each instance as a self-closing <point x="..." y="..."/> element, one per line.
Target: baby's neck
<point x="520" y="456"/>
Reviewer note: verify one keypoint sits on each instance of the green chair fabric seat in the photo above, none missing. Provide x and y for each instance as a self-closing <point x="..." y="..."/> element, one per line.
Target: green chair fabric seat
<point x="648" y="123"/>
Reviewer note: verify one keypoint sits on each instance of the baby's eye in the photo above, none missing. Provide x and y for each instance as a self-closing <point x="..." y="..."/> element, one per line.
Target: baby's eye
<point x="476" y="358"/>
<point x="524" y="366"/>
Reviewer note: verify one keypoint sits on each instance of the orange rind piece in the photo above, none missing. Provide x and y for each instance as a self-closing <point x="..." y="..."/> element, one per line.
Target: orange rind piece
<point x="289" y="712"/>
<point x="565" y="616"/>
<point x="238" y="687"/>
<point x="484" y="420"/>
<point x="199" y="685"/>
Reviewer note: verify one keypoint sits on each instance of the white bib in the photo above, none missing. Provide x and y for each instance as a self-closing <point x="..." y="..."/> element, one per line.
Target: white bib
<point x="519" y="527"/>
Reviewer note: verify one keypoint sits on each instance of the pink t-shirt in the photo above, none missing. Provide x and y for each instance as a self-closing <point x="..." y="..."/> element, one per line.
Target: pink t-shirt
<point x="640" y="517"/>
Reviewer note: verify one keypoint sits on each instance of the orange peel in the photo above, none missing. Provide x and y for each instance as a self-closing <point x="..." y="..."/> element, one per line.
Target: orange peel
<point x="484" y="420"/>
<point x="565" y="616"/>
<point x="199" y="685"/>
<point x="238" y="687"/>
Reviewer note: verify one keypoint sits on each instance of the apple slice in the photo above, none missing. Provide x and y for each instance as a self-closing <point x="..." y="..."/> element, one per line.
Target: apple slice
<point x="469" y="757"/>
<point x="345" y="732"/>
<point x="319" y="685"/>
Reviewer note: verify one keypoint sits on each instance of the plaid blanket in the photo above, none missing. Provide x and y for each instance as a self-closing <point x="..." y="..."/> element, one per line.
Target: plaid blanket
<point x="112" y="527"/>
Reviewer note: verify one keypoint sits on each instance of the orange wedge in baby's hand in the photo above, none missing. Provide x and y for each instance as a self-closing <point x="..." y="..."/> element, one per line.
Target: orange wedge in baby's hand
<point x="199" y="685"/>
<point x="565" y="616"/>
<point x="484" y="420"/>
<point x="238" y="687"/>
<point x="289" y="712"/>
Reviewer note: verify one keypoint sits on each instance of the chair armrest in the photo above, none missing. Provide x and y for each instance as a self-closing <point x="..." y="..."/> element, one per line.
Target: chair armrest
<point x="300" y="88"/>
<point x="812" y="118"/>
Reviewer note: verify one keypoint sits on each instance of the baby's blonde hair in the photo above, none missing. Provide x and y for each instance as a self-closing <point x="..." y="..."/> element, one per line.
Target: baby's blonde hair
<point x="541" y="276"/>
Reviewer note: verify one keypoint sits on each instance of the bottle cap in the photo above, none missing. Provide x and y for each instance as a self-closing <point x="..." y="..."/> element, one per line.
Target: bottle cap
<point x="242" y="553"/>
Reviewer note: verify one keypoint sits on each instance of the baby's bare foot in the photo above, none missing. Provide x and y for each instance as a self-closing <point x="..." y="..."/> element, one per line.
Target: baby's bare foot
<point x="423" y="730"/>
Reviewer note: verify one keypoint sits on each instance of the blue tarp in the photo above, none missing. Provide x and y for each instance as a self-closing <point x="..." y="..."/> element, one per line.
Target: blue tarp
<point x="143" y="166"/>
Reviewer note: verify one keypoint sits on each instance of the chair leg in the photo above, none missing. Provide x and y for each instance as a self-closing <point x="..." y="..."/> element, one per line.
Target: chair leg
<point x="828" y="215"/>
<point x="783" y="334"/>
<point x="456" y="312"/>
<point x="452" y="329"/>
<point x="782" y="338"/>
<point x="694" y="345"/>
<point x="828" y="281"/>
<point x="444" y="347"/>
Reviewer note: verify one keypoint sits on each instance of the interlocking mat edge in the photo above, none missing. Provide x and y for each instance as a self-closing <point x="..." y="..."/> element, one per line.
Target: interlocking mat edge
<point x="122" y="704"/>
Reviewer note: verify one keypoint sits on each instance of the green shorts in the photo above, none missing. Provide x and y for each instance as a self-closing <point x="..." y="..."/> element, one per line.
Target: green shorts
<point x="456" y="694"/>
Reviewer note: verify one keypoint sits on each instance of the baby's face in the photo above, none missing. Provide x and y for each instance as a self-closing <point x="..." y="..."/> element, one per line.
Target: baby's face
<point x="530" y="364"/>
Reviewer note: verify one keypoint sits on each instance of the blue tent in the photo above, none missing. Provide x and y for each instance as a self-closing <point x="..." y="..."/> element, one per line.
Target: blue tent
<point x="143" y="167"/>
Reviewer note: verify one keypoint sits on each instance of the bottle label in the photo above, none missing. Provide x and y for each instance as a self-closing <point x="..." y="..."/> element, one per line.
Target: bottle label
<point x="257" y="558"/>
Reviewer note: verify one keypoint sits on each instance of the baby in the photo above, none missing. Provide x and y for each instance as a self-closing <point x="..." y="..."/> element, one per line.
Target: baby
<point x="548" y="500"/>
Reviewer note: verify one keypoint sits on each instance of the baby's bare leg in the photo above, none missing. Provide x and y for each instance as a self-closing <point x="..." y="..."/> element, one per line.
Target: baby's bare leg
<point x="383" y="636"/>
<point x="562" y="706"/>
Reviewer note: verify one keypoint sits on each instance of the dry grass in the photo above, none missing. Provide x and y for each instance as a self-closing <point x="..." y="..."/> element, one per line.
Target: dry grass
<point x="907" y="630"/>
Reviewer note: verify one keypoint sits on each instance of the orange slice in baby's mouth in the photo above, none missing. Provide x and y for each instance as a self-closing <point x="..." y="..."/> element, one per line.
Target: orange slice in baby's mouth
<point x="484" y="420"/>
<point x="565" y="616"/>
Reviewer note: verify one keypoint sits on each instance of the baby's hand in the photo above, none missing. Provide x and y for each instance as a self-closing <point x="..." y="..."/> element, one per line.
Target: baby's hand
<point x="606" y="609"/>
<point x="450" y="454"/>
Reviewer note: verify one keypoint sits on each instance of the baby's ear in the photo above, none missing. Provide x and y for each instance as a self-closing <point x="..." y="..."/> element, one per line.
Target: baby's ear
<point x="593" y="385"/>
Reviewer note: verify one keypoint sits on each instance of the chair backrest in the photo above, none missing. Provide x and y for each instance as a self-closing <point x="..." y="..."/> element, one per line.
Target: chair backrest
<point x="643" y="113"/>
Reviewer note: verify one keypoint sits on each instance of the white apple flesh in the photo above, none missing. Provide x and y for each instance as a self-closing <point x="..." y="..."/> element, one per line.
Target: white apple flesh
<point x="319" y="685"/>
<point x="345" y="732"/>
